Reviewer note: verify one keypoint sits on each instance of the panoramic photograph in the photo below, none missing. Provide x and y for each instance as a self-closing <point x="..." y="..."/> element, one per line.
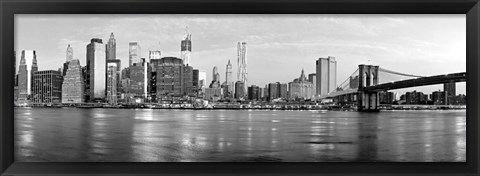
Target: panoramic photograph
<point x="240" y="88"/>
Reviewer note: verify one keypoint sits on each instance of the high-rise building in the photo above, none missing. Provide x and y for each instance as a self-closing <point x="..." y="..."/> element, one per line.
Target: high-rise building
<point x="215" y="78"/>
<point x="47" y="86"/>
<point x="169" y="76"/>
<point x="96" y="67"/>
<point x="439" y="97"/>
<point x="187" y="80"/>
<point x="301" y="87"/>
<point x="134" y="53"/>
<point x="239" y="90"/>
<point x="186" y="47"/>
<point x="112" y="81"/>
<point x="73" y="84"/>
<point x="68" y="59"/>
<point x="69" y="53"/>
<point x="229" y="80"/>
<point x="202" y="79"/>
<point x="354" y="81"/>
<point x="253" y="92"/>
<point x="242" y="74"/>
<point x="326" y="75"/>
<point x="450" y="89"/>
<point x="213" y="94"/>
<point x="154" y="55"/>
<point x="111" y="51"/>
<point x="415" y="98"/>
<point x="312" y="77"/>
<point x="28" y="65"/>
<point x="386" y="97"/>
<point x="137" y="80"/>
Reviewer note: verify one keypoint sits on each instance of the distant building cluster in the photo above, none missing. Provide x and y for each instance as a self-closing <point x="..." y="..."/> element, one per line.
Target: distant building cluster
<point x="159" y="79"/>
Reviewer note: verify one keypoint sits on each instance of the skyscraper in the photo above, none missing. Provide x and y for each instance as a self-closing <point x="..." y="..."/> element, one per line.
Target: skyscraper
<point x="154" y="54"/>
<point x="242" y="64"/>
<point x="67" y="60"/>
<point x="69" y="53"/>
<point x="450" y="89"/>
<point x="169" y="76"/>
<point x="111" y="51"/>
<point x="73" y="83"/>
<point x="112" y="81"/>
<point x="47" y="86"/>
<point x="301" y="87"/>
<point x="96" y="68"/>
<point x="186" y="47"/>
<point x="215" y="78"/>
<point x="326" y="75"/>
<point x="228" y="80"/>
<point x="134" y="53"/>
<point x="28" y="65"/>
<point x="240" y="92"/>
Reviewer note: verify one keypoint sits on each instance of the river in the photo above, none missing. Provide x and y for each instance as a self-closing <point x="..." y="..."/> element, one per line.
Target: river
<point x="146" y="135"/>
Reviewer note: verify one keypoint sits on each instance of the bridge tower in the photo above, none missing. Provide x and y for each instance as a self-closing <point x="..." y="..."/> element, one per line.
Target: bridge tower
<point x="368" y="101"/>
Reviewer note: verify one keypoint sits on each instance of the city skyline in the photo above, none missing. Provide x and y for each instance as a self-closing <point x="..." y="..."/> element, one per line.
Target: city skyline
<point x="214" y="41"/>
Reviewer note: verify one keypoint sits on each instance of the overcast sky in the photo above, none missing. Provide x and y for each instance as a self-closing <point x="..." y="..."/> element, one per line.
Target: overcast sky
<point x="278" y="46"/>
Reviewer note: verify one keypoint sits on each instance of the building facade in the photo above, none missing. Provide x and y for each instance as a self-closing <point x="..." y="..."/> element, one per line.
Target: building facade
<point x="439" y="97"/>
<point x="326" y="69"/>
<point x="134" y="53"/>
<point x="449" y="88"/>
<point x="111" y="48"/>
<point x="242" y="74"/>
<point x="73" y="84"/>
<point x="47" y="86"/>
<point x="239" y="90"/>
<point x="229" y="81"/>
<point x="112" y="81"/>
<point x="254" y="93"/>
<point x="28" y="65"/>
<point x="186" y="48"/>
<point x="169" y="76"/>
<point x="301" y="88"/>
<point x="96" y="67"/>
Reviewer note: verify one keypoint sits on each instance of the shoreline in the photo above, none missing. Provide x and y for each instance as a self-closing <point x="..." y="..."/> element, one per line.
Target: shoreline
<point x="321" y="108"/>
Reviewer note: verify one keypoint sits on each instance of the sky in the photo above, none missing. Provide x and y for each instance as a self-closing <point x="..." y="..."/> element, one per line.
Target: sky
<point x="278" y="46"/>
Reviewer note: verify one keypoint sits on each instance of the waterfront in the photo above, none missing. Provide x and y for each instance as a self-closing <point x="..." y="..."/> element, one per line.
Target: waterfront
<point x="154" y="135"/>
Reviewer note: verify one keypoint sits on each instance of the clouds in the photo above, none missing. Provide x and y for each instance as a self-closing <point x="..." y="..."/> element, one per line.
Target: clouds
<point x="279" y="46"/>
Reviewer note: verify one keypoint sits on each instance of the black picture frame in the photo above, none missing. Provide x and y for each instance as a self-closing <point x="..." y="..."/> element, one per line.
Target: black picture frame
<point x="8" y="8"/>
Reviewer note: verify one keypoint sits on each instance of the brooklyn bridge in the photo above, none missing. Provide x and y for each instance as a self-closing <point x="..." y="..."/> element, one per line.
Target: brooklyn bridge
<point x="365" y="83"/>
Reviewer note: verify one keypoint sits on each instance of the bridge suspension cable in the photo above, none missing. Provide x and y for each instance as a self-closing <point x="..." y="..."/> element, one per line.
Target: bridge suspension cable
<point x="343" y="86"/>
<point x="398" y="73"/>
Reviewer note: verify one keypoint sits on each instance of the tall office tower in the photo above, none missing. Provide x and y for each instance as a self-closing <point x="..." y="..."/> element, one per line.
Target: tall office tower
<point x="186" y="47"/>
<point x="112" y="81"/>
<point x="450" y="89"/>
<point x="111" y="48"/>
<point x="69" y="53"/>
<point x="73" y="84"/>
<point x="154" y="55"/>
<point x="228" y="80"/>
<point x="301" y="87"/>
<point x="47" y="86"/>
<point x="187" y="80"/>
<point x="67" y="60"/>
<point x="239" y="90"/>
<point x="134" y="53"/>
<point x="169" y="76"/>
<point x="28" y="65"/>
<point x="202" y="79"/>
<point x="145" y="77"/>
<point x="326" y="75"/>
<point x="242" y="74"/>
<point x="215" y="78"/>
<point x="96" y="69"/>
<point x="312" y="77"/>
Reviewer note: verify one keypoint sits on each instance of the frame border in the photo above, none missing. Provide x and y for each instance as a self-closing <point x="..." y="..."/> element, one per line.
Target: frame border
<point x="8" y="8"/>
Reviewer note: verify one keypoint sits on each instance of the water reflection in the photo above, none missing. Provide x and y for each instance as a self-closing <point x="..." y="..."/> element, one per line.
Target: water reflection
<point x="182" y="136"/>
